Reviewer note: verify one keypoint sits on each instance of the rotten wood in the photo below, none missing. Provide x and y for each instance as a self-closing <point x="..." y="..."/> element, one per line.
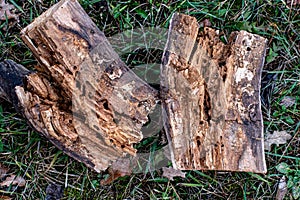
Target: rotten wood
<point x="211" y="98"/>
<point x="43" y="105"/>
<point x="83" y="97"/>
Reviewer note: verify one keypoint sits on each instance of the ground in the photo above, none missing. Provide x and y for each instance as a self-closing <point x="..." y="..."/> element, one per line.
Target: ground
<point x="31" y="156"/>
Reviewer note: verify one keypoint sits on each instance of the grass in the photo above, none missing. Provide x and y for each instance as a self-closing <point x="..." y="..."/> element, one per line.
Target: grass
<point x="29" y="155"/>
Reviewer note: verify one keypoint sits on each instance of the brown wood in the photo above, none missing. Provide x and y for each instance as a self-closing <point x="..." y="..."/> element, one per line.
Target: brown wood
<point x="13" y="79"/>
<point x="83" y="97"/>
<point x="211" y="98"/>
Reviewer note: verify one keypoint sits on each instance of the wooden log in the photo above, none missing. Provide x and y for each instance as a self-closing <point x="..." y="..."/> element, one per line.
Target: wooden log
<point x="83" y="97"/>
<point x="43" y="106"/>
<point x="13" y="79"/>
<point x="211" y="98"/>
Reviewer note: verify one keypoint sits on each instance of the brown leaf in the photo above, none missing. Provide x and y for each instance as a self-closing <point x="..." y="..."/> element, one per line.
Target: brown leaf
<point x="5" y="198"/>
<point x="288" y="101"/>
<point x="205" y="23"/>
<point x="278" y="137"/>
<point x="170" y="173"/>
<point x="282" y="189"/>
<point x="8" y="11"/>
<point x="3" y="171"/>
<point x="13" y="180"/>
<point x="119" y="168"/>
<point x="293" y="2"/>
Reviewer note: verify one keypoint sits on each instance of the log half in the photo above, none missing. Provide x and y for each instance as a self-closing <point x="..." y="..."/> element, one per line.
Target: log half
<point x="211" y="98"/>
<point x="83" y="95"/>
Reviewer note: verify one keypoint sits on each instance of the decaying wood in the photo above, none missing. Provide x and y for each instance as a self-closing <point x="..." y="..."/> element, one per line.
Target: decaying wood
<point x="83" y="97"/>
<point x="211" y="98"/>
<point x="43" y="105"/>
<point x="87" y="102"/>
<point x="13" y="78"/>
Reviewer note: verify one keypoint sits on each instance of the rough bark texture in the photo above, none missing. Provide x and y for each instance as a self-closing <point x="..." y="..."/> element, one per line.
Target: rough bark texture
<point x="211" y="98"/>
<point x="83" y="97"/>
<point x="11" y="75"/>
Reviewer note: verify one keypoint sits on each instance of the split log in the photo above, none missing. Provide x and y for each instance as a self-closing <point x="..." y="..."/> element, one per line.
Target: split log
<point x="45" y="110"/>
<point x="211" y="98"/>
<point x="83" y="97"/>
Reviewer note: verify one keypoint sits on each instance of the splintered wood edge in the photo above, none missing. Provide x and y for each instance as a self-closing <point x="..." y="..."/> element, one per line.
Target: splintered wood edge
<point x="37" y="21"/>
<point x="259" y="74"/>
<point x="45" y="15"/>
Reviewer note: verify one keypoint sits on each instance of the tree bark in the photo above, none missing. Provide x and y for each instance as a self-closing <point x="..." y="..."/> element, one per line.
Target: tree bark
<point x="211" y="98"/>
<point x="83" y="97"/>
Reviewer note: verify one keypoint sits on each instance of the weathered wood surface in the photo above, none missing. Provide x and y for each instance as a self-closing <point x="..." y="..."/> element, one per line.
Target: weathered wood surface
<point x="14" y="81"/>
<point x="211" y="98"/>
<point x="83" y="97"/>
<point x="46" y="111"/>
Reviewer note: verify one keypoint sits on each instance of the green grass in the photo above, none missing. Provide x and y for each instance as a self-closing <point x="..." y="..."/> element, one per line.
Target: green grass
<point x="29" y="155"/>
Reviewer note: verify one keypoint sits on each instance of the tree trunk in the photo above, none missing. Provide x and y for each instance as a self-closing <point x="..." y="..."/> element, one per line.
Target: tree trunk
<point x="211" y="98"/>
<point x="83" y="97"/>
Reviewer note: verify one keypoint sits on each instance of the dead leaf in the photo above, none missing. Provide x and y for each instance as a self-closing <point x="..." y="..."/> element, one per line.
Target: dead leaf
<point x="8" y="11"/>
<point x="119" y="168"/>
<point x="205" y="23"/>
<point x="3" y="171"/>
<point x="282" y="189"/>
<point x="278" y="137"/>
<point x="170" y="173"/>
<point x="54" y="191"/>
<point x="5" y="198"/>
<point x="288" y="101"/>
<point x="13" y="180"/>
<point x="293" y="2"/>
